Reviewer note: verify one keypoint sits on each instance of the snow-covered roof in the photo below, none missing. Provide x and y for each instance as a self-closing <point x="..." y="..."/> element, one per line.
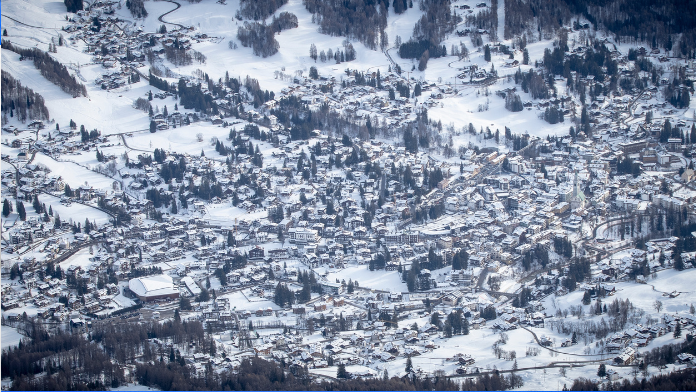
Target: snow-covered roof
<point x="148" y="286"/>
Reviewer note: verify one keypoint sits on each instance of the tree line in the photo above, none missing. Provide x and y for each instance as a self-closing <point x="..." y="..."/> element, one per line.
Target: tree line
<point x="532" y="16"/>
<point x="21" y="101"/>
<point x="429" y="31"/>
<point x="667" y="24"/>
<point x="136" y="8"/>
<point x="364" y="20"/>
<point x="260" y="37"/>
<point x="258" y="9"/>
<point x="73" y="5"/>
<point x="51" y="69"/>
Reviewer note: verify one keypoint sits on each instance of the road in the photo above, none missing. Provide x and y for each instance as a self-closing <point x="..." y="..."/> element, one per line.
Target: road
<point x="123" y="138"/>
<point x="28" y="25"/>
<point x="536" y="339"/>
<point x="169" y="12"/>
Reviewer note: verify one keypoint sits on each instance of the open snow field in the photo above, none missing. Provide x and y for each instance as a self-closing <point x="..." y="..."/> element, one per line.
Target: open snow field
<point x="244" y="301"/>
<point x="463" y="109"/>
<point x="107" y="111"/>
<point x="74" y="174"/>
<point x="379" y="280"/>
<point x="77" y="212"/>
<point x="10" y="337"/>
<point x="644" y="296"/>
<point x="80" y="259"/>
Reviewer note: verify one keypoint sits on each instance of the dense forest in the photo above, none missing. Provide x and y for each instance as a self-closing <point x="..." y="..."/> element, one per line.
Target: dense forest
<point x="258" y="9"/>
<point x="437" y="22"/>
<point x="73" y="5"/>
<point x="284" y="21"/>
<point x="430" y="30"/>
<point x="651" y="22"/>
<point x="21" y="102"/>
<point x="363" y="20"/>
<point x="486" y="19"/>
<point x="52" y="70"/>
<point x="136" y="8"/>
<point x="667" y="24"/>
<point x="534" y="17"/>
<point x="260" y="37"/>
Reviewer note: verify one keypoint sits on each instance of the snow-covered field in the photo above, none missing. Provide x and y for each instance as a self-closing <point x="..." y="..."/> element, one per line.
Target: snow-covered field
<point x="80" y="259"/>
<point x="644" y="296"/>
<point x="74" y="174"/>
<point x="10" y="337"/>
<point x="243" y="301"/>
<point x="107" y="111"/>
<point x="380" y="280"/>
<point x="77" y="212"/>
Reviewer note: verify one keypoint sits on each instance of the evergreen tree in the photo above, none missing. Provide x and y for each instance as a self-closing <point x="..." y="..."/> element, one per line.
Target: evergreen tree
<point x="6" y="208"/>
<point x="602" y="371"/>
<point x="341" y="372"/>
<point x="678" y="261"/>
<point x="36" y="204"/>
<point x="21" y="211"/>
<point x="230" y="239"/>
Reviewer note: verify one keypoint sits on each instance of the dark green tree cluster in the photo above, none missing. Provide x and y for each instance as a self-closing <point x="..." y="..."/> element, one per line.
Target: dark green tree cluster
<point x="21" y="211"/>
<point x="563" y="246"/>
<point x="489" y="313"/>
<point x="309" y="285"/>
<point x="362" y="20"/>
<point x="628" y="166"/>
<point x="460" y="260"/>
<point x="192" y="97"/>
<point x="258" y="10"/>
<point x="73" y="5"/>
<point x="136" y="8"/>
<point x="283" y="296"/>
<point x="577" y="272"/>
<point x="160" y="83"/>
<point x="522" y="299"/>
<point x="415" y="49"/>
<point x="20" y="101"/>
<point x="532" y="83"/>
<point x="458" y="324"/>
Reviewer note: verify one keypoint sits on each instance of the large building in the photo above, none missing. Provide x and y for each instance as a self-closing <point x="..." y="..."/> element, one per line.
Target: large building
<point x="150" y="288"/>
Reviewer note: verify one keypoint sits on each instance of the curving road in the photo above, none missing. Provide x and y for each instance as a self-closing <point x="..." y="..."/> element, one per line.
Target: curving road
<point x="123" y="138"/>
<point x="561" y="352"/>
<point x="169" y="12"/>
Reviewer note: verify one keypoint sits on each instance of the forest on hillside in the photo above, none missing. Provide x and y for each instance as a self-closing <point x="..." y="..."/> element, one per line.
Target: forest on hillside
<point x="670" y="24"/>
<point x="363" y="20"/>
<point x="20" y="101"/>
<point x="51" y="69"/>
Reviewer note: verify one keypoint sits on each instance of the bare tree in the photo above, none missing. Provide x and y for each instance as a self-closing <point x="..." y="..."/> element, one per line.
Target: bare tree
<point x="658" y="305"/>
